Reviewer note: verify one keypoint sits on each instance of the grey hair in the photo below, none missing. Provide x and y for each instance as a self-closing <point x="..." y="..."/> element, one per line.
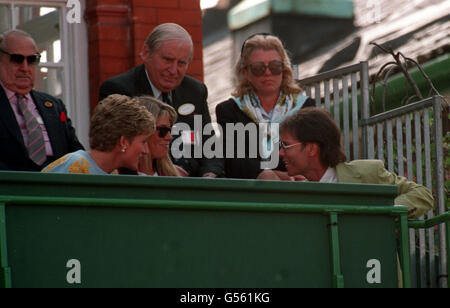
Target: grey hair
<point x="166" y="32"/>
<point x="14" y="32"/>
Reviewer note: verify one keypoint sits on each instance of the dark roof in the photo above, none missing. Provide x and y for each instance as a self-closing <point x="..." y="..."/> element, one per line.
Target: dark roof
<point x="420" y="29"/>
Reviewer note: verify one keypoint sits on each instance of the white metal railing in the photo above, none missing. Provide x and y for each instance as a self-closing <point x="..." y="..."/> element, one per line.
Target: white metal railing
<point x="333" y="92"/>
<point x="410" y="139"/>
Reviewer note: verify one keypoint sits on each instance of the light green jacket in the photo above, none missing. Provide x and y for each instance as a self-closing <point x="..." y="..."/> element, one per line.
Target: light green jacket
<point x="416" y="197"/>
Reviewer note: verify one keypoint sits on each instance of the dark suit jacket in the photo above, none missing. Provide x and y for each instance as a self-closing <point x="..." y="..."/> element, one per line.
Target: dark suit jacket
<point x="13" y="152"/>
<point x="245" y="168"/>
<point x="135" y="83"/>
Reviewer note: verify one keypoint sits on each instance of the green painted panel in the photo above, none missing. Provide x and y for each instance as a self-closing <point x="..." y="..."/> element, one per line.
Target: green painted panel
<point x="193" y="189"/>
<point x="327" y="8"/>
<point x="249" y="11"/>
<point x="130" y="231"/>
<point x="119" y="247"/>
<point x="375" y="234"/>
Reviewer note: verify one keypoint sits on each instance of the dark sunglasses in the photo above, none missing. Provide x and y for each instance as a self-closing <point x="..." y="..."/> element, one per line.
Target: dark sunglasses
<point x="18" y="59"/>
<point x="163" y="131"/>
<point x="259" y="68"/>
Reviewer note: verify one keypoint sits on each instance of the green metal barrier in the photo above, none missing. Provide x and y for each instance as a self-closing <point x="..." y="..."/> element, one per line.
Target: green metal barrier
<point x="59" y="230"/>
<point x="445" y="259"/>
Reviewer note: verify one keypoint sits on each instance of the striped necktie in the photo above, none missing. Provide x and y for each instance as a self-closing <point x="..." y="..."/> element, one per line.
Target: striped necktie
<point x="36" y="144"/>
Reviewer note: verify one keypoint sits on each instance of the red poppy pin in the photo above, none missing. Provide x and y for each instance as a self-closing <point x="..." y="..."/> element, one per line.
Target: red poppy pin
<point x="63" y="117"/>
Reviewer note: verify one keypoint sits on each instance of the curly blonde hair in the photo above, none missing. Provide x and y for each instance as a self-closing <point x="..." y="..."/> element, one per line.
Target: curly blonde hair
<point x="264" y="42"/>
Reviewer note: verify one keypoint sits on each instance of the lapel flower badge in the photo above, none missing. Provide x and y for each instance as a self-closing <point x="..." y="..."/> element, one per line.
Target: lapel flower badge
<point x="63" y="117"/>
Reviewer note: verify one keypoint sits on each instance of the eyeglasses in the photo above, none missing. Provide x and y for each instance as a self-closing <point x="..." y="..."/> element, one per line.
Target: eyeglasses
<point x="163" y="131"/>
<point x="18" y="59"/>
<point x="285" y="147"/>
<point x="259" y="68"/>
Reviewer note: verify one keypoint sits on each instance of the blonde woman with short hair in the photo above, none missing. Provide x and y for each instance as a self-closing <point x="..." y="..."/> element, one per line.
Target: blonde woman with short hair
<point x="119" y="132"/>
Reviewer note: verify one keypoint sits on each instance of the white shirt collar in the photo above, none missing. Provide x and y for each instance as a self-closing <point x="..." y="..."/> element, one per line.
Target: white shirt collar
<point x="156" y="92"/>
<point x="10" y="94"/>
<point x="329" y="176"/>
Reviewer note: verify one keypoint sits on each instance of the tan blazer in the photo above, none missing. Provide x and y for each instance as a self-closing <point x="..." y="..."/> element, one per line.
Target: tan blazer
<point x="417" y="198"/>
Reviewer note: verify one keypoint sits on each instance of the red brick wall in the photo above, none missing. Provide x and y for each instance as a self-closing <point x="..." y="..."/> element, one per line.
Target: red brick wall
<point x="117" y="30"/>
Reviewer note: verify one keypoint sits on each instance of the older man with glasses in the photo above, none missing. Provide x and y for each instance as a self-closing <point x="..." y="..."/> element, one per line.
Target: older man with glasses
<point x="34" y="126"/>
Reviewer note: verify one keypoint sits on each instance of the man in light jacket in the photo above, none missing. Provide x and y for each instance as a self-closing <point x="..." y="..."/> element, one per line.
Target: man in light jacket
<point x="311" y="148"/>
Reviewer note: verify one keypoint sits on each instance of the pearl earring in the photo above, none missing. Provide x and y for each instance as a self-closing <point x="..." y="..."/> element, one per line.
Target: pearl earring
<point x="124" y="149"/>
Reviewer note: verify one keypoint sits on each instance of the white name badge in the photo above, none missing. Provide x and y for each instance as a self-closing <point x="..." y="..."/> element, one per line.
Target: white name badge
<point x="186" y="109"/>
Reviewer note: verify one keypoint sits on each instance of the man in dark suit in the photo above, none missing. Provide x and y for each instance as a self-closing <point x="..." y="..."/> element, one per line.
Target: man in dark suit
<point x="166" y="53"/>
<point x="20" y="105"/>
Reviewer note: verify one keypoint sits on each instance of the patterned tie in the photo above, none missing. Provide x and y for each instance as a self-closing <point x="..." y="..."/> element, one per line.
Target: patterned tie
<point x="36" y="144"/>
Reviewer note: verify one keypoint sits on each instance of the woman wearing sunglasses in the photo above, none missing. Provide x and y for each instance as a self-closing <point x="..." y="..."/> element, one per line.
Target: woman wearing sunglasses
<point x="157" y="161"/>
<point x="266" y="92"/>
